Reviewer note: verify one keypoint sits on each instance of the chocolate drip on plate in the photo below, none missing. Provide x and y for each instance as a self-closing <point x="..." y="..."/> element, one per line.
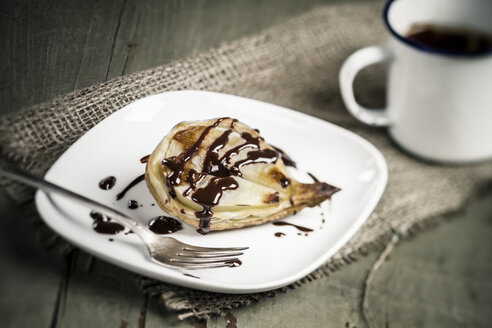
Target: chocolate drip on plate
<point x="104" y="225"/>
<point x="132" y="204"/>
<point x="130" y="186"/>
<point x="107" y="183"/>
<point x="301" y="228"/>
<point x="163" y="225"/>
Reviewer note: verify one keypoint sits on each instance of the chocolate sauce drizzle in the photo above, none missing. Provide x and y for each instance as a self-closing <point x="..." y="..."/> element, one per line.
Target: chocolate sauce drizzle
<point x="132" y="204"/>
<point x="144" y="159"/>
<point x="313" y="177"/>
<point x="301" y="228"/>
<point x="208" y="197"/>
<point x="177" y="163"/>
<point x="130" y="186"/>
<point x="104" y="225"/>
<point x="279" y="234"/>
<point x="163" y="225"/>
<point x="107" y="183"/>
<point x="219" y="167"/>
<point x="285" y="158"/>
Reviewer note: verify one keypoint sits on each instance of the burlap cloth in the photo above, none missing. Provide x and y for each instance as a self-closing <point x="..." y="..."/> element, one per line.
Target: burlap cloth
<point x="295" y="65"/>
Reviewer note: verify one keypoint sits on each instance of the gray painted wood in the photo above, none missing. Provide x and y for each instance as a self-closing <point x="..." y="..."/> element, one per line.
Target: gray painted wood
<point x="30" y="276"/>
<point x="51" y="48"/>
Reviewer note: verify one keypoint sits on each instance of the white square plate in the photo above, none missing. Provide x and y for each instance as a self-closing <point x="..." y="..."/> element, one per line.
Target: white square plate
<point x="115" y="146"/>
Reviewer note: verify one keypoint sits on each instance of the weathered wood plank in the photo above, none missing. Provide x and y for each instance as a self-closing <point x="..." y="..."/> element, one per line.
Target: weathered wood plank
<point x="49" y="48"/>
<point x="442" y="277"/>
<point x="54" y="48"/>
<point x="30" y="276"/>
<point x="100" y="295"/>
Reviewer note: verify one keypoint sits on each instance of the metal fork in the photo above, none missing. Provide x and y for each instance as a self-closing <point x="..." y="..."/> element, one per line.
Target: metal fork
<point x="162" y="250"/>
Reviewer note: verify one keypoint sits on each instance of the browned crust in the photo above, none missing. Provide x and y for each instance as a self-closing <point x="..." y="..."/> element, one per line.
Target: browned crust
<point x="302" y="195"/>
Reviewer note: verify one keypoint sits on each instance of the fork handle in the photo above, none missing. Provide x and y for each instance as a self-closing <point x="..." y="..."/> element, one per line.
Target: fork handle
<point x="34" y="181"/>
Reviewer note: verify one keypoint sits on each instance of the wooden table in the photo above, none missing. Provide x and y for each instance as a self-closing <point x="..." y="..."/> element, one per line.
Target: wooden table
<point x="440" y="278"/>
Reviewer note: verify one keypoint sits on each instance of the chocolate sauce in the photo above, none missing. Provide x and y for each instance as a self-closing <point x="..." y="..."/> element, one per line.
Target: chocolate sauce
<point x="163" y="225"/>
<point x="208" y="197"/>
<point x="104" y="225"/>
<point x="212" y="164"/>
<point x="144" y="159"/>
<point x="111" y="239"/>
<point x="132" y="204"/>
<point x="279" y="234"/>
<point x="192" y="178"/>
<point x="130" y="186"/>
<point x="267" y="156"/>
<point x="281" y="223"/>
<point x="285" y="182"/>
<point x="313" y="177"/>
<point x="107" y="183"/>
<point x="190" y="275"/>
<point x="219" y="167"/>
<point x="235" y="263"/>
<point x="285" y="158"/>
<point x="177" y="163"/>
<point x="231" y="321"/>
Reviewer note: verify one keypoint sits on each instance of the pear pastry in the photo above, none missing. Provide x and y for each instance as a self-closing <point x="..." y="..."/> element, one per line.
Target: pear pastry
<point x="220" y="174"/>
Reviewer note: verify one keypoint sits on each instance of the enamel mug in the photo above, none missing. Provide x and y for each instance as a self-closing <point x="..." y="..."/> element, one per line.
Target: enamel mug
<point x="439" y="104"/>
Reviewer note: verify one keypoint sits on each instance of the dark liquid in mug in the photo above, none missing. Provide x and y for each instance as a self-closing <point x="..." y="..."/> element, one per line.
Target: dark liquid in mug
<point x="450" y="39"/>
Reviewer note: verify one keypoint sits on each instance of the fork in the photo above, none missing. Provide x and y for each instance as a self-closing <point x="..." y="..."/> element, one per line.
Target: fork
<point x="162" y="250"/>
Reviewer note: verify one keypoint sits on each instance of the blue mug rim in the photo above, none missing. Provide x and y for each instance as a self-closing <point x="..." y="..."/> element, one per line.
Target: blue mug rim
<point x="422" y="47"/>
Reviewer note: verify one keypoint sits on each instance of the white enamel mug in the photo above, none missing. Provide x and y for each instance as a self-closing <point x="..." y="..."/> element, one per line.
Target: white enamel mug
<point x="439" y="105"/>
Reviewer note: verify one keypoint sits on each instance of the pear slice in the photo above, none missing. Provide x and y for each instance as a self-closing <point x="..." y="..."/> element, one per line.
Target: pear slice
<point x="220" y="174"/>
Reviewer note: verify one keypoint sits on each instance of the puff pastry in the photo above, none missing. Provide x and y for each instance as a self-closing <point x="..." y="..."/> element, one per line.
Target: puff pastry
<point x="220" y="174"/>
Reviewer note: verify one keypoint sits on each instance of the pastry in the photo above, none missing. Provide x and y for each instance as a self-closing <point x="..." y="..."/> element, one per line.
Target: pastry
<point x="221" y="174"/>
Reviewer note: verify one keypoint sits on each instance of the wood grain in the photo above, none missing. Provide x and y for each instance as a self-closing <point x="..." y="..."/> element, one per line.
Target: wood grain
<point x="52" y="48"/>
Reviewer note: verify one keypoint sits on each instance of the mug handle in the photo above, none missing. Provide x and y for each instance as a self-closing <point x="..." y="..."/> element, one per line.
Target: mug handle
<point x="352" y="65"/>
